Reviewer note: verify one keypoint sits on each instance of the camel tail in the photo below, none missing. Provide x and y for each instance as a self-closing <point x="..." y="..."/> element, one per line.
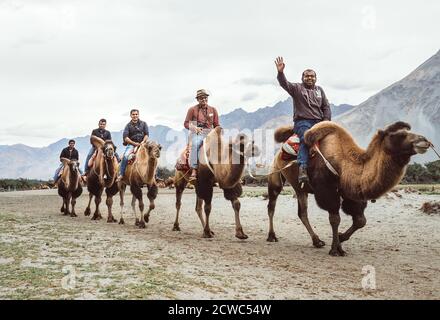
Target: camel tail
<point x="319" y="131"/>
<point x="283" y="133"/>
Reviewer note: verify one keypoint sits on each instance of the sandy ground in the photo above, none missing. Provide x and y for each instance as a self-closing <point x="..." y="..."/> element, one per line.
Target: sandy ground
<point x="46" y="255"/>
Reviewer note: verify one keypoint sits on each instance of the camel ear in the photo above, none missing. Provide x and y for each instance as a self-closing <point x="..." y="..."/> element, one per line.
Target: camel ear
<point x="397" y="126"/>
<point x="219" y="130"/>
<point x="159" y="146"/>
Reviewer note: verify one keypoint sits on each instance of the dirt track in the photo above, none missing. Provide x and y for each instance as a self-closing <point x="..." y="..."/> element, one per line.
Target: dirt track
<point x="46" y="255"/>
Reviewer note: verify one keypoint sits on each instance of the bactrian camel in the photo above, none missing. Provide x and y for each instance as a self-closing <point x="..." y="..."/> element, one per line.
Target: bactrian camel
<point x="69" y="186"/>
<point x="362" y="174"/>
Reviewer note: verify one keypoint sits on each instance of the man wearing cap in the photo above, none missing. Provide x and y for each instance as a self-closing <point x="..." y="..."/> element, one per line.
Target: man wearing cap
<point x="200" y="120"/>
<point x="310" y="107"/>
<point x="135" y="132"/>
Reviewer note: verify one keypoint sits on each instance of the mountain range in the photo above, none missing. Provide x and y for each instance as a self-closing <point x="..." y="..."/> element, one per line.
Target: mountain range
<point x="414" y="99"/>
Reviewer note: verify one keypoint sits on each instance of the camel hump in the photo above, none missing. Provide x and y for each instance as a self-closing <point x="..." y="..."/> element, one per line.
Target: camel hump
<point x="283" y="133"/>
<point x="97" y="141"/>
<point x="321" y="130"/>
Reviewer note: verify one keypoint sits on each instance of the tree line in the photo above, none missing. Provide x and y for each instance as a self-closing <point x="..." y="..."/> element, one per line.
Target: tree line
<point x="415" y="174"/>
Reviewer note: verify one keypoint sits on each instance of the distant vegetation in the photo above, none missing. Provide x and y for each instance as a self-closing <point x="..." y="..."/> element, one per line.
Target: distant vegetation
<point x="429" y="173"/>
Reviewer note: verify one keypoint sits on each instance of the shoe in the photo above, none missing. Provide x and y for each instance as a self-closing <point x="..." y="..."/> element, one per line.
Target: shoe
<point x="302" y="175"/>
<point x="192" y="179"/>
<point x="84" y="178"/>
<point x="119" y="178"/>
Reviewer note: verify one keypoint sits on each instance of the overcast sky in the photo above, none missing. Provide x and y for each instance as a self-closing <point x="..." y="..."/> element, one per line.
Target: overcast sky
<point x="66" y="64"/>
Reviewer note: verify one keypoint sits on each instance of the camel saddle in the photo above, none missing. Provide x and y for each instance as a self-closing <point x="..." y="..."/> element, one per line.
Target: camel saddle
<point x="182" y="163"/>
<point x="290" y="148"/>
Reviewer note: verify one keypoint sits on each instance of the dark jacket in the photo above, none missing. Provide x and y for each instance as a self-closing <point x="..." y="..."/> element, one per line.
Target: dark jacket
<point x="135" y="131"/>
<point x="71" y="155"/>
<point x="102" y="133"/>
<point x="311" y="104"/>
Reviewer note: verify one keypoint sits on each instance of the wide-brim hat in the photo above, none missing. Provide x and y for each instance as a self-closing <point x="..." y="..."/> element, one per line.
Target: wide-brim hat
<point x="201" y="93"/>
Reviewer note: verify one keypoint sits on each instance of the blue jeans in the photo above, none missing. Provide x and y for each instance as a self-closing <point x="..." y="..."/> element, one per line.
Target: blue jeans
<point x="89" y="155"/>
<point x="124" y="161"/>
<point x="300" y="127"/>
<point x="196" y="143"/>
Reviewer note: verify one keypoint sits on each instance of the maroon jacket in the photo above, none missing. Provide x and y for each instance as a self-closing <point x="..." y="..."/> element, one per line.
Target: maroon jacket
<point x="206" y="118"/>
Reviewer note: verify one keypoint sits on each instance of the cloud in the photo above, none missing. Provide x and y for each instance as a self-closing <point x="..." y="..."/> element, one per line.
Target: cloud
<point x="249" y="96"/>
<point x="256" y="81"/>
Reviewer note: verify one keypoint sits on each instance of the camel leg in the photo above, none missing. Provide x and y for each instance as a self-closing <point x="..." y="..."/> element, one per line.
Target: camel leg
<point x="67" y="203"/>
<point x="137" y="195"/>
<point x="97" y="215"/>
<point x="179" y="192"/>
<point x="335" y="220"/>
<point x="207" y="233"/>
<point x="303" y="215"/>
<point x="62" y="207"/>
<point x="356" y="210"/>
<point x="87" y="212"/>
<point x="151" y="194"/>
<point x="73" y="202"/>
<point x="199" y="211"/>
<point x="121" y="203"/>
<point x="109" y="203"/>
<point x="238" y="227"/>
<point x="274" y="188"/>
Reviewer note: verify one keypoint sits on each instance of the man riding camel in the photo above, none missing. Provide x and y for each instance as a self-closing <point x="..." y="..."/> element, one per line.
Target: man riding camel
<point x="200" y="120"/>
<point x="67" y="153"/>
<point x="102" y="133"/>
<point x="310" y="107"/>
<point x="135" y="132"/>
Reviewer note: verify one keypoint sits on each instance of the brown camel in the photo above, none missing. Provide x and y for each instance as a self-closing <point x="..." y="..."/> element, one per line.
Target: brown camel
<point x="362" y="175"/>
<point x="102" y="175"/>
<point x="141" y="172"/>
<point x="223" y="163"/>
<point x="69" y="186"/>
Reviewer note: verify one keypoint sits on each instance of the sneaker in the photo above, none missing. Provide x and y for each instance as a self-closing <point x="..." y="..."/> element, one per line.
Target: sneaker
<point x="302" y="175"/>
<point x="119" y="178"/>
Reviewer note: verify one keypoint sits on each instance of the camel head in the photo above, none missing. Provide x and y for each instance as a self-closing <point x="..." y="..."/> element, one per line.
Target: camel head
<point x="152" y="148"/>
<point x="398" y="140"/>
<point x="109" y="149"/>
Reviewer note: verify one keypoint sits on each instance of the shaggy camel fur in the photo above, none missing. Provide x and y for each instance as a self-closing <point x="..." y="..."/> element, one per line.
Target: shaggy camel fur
<point x="141" y="172"/>
<point x="102" y="175"/>
<point x="69" y="186"/>
<point x="227" y="161"/>
<point x="363" y="174"/>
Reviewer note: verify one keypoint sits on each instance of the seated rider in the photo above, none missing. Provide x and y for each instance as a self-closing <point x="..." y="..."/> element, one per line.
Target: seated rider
<point x="67" y="153"/>
<point x="310" y="107"/>
<point x="200" y="120"/>
<point x="102" y="133"/>
<point x="135" y="132"/>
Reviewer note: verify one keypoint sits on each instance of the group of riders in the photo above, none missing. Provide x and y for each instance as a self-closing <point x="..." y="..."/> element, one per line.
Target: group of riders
<point x="310" y="107"/>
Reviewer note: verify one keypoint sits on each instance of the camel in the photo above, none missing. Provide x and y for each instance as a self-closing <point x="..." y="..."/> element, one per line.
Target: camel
<point x="102" y="175"/>
<point x="69" y="186"/>
<point x="141" y="172"/>
<point x="362" y="175"/>
<point x="219" y="162"/>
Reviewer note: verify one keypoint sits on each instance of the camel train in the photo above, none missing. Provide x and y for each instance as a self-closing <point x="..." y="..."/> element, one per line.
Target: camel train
<point x="342" y="176"/>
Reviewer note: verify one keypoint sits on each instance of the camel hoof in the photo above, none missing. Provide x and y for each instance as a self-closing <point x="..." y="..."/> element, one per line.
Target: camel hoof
<point x="99" y="216"/>
<point x="136" y="223"/>
<point x="176" y="227"/>
<point x="208" y="234"/>
<point x="121" y="221"/>
<point x="62" y="209"/>
<point x="241" y="236"/>
<point x="337" y="252"/>
<point x="95" y="217"/>
<point x="146" y="218"/>
<point x="141" y="225"/>
<point x="271" y="237"/>
<point x="318" y="243"/>
<point x="87" y="212"/>
<point x="66" y="213"/>
<point x="111" y="220"/>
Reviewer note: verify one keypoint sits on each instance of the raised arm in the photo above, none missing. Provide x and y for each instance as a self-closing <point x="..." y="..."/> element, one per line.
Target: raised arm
<point x="286" y="85"/>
